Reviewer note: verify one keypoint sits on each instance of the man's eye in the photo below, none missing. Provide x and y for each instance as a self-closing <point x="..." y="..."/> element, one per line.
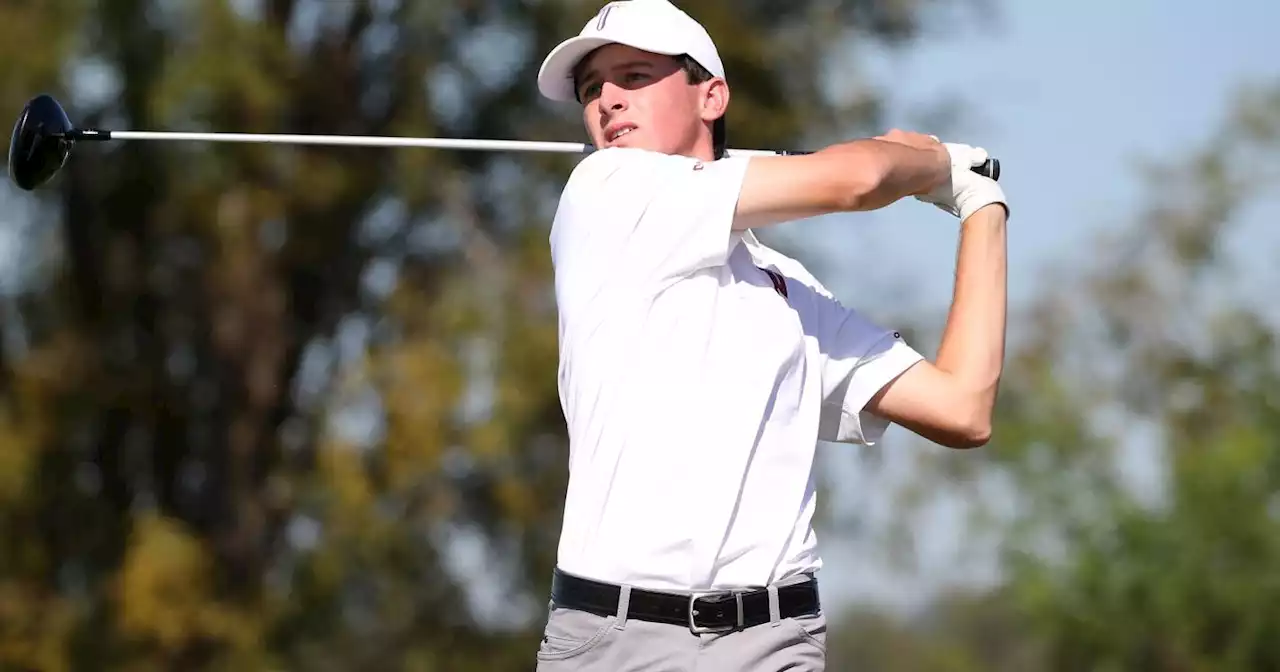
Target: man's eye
<point x="590" y="91"/>
<point x="633" y="77"/>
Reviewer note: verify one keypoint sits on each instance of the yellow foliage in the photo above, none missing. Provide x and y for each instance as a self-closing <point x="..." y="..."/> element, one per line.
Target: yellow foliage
<point x="420" y="383"/>
<point x="27" y="423"/>
<point x="344" y="474"/>
<point x="18" y="453"/>
<point x="229" y="56"/>
<point x="164" y="593"/>
<point x="518" y="502"/>
<point x="34" y="628"/>
<point x="34" y="39"/>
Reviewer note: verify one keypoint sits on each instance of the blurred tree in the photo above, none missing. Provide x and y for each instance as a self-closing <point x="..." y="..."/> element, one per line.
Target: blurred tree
<point x="295" y="408"/>
<point x="1134" y="479"/>
<point x="958" y="632"/>
<point x="1184" y="576"/>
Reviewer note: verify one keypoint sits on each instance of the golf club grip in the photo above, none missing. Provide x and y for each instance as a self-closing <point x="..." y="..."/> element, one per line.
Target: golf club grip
<point x="990" y="168"/>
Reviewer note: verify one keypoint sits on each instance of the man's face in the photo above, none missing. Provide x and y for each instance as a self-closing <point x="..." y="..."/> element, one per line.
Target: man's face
<point x="633" y="98"/>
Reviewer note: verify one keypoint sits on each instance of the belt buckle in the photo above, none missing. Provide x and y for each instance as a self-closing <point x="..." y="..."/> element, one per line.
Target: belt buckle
<point x="703" y="629"/>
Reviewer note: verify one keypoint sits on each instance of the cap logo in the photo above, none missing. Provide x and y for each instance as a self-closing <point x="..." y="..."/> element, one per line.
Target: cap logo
<point x="603" y="16"/>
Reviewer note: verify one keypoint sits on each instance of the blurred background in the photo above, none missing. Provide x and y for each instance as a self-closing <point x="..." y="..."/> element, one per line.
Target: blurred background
<point x="285" y="408"/>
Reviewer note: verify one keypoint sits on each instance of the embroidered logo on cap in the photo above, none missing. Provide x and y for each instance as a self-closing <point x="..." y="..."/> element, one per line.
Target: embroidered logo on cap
<point x="602" y="17"/>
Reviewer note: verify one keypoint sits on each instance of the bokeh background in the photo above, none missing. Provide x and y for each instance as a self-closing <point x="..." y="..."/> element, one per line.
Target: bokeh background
<point x="284" y="408"/>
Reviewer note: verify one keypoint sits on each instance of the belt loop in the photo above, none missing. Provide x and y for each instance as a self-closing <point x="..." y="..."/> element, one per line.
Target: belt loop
<point x="775" y="611"/>
<point x="624" y="605"/>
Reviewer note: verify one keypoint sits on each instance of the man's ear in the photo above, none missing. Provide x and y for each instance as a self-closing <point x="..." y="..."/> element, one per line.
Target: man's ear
<point x="715" y="99"/>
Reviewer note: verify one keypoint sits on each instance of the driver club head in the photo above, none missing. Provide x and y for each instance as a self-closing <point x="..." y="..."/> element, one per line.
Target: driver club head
<point x="40" y="144"/>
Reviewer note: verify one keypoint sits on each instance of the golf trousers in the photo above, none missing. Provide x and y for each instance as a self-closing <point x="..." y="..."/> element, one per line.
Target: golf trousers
<point x="576" y="640"/>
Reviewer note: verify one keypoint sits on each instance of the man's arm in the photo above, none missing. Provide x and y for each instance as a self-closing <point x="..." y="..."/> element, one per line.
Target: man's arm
<point x="951" y="402"/>
<point x="858" y="175"/>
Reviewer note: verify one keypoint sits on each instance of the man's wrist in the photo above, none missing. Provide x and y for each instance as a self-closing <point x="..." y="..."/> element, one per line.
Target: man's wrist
<point x="942" y="166"/>
<point x="932" y="169"/>
<point x="995" y="213"/>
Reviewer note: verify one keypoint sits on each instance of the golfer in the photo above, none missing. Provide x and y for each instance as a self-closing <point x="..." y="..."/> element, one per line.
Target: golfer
<point x="699" y="368"/>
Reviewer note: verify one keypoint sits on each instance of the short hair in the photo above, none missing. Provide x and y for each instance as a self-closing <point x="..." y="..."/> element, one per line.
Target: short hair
<point x="695" y="73"/>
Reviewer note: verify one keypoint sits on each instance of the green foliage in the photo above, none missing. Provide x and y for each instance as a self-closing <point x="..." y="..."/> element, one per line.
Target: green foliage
<point x="1187" y="579"/>
<point x="262" y="389"/>
<point x="1145" y="349"/>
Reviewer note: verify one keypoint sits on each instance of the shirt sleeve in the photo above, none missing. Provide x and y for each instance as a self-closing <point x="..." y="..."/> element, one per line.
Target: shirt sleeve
<point x="644" y="216"/>
<point x="859" y="358"/>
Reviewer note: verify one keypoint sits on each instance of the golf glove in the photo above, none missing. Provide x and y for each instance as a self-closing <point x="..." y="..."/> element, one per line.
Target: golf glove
<point x="966" y="192"/>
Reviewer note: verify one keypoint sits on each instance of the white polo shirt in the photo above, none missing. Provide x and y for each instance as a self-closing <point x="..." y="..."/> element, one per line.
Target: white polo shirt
<point x="694" y="390"/>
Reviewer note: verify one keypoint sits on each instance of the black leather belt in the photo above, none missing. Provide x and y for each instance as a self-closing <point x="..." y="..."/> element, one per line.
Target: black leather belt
<point x="721" y="611"/>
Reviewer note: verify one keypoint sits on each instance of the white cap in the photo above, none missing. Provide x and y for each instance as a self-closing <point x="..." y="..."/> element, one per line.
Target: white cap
<point x="656" y="26"/>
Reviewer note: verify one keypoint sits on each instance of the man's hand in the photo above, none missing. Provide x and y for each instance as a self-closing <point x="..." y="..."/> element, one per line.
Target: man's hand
<point x="965" y="192"/>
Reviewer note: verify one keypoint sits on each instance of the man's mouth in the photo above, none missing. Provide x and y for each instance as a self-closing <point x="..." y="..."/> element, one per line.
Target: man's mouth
<point x="618" y="133"/>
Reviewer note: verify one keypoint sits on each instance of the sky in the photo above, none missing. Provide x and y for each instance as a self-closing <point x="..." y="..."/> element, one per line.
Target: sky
<point x="1069" y="96"/>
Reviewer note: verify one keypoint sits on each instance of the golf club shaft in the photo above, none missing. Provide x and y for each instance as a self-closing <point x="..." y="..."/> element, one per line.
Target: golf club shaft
<point x="364" y="141"/>
<point x="991" y="169"/>
<point x="336" y="140"/>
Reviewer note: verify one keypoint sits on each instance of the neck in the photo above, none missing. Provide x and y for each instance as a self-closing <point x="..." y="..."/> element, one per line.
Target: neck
<point x="701" y="148"/>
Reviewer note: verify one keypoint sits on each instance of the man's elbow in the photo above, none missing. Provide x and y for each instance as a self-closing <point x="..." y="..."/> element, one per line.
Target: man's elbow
<point x="971" y="423"/>
<point x="969" y="436"/>
<point x="936" y="406"/>
<point x="956" y="429"/>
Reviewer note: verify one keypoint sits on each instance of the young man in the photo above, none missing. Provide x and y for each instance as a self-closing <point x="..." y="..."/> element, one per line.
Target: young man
<point x="699" y="368"/>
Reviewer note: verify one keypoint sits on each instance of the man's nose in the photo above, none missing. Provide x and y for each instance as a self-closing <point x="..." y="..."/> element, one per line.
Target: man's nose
<point x="612" y="98"/>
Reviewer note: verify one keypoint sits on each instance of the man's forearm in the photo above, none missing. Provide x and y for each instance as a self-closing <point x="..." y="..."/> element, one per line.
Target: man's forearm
<point x="897" y="170"/>
<point x="973" y="342"/>
<point x="851" y="176"/>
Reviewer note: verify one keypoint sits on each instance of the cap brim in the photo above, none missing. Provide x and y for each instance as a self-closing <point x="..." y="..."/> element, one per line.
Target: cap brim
<point x="555" y="78"/>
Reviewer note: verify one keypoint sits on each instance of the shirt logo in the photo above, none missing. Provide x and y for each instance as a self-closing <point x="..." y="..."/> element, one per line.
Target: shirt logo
<point x="779" y="282"/>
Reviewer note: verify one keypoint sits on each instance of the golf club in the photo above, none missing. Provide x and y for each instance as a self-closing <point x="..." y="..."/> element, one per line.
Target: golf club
<point x="44" y="136"/>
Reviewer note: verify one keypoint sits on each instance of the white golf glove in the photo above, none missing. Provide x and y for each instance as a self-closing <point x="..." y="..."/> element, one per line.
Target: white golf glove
<point x="966" y="192"/>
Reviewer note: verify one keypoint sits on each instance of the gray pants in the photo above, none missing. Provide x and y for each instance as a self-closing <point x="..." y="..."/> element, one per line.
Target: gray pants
<point x="578" y="641"/>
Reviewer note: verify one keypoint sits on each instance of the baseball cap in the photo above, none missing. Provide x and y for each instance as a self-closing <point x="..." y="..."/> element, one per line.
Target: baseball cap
<point x="656" y="26"/>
